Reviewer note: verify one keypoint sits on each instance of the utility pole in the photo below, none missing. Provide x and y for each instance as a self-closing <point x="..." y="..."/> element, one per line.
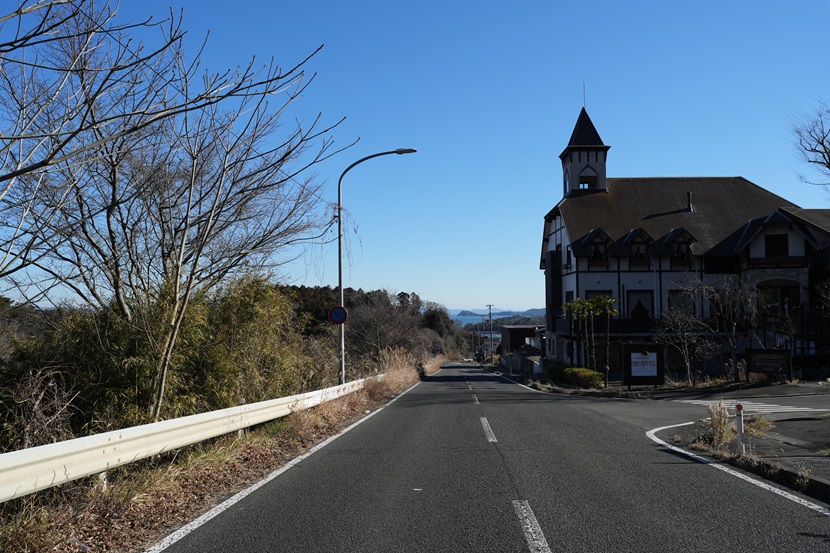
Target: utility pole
<point x="492" y="357"/>
<point x="481" y="340"/>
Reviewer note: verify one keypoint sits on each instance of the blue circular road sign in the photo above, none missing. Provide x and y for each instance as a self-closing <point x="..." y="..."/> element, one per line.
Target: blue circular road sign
<point x="338" y="314"/>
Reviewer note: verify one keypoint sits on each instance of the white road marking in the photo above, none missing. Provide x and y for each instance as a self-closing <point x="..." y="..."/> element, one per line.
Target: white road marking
<point x="475" y="399"/>
<point x="536" y="542"/>
<point x="803" y="502"/>
<point x="487" y="430"/>
<point x="751" y="407"/>
<point x="470" y="387"/>
<point x="234" y="499"/>
<point x="517" y="383"/>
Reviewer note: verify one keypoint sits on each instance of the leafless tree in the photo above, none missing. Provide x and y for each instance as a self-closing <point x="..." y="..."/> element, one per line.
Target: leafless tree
<point x="178" y="180"/>
<point x="76" y="86"/>
<point x="383" y="321"/>
<point x="733" y="310"/>
<point x="681" y="328"/>
<point x="43" y="401"/>
<point x="812" y="140"/>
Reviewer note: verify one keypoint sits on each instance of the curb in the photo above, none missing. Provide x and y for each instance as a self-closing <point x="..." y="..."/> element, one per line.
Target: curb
<point x="812" y="486"/>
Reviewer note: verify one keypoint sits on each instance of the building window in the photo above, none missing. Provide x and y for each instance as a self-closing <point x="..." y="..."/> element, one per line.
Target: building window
<point x="681" y="299"/>
<point x="681" y="257"/>
<point x="776" y="245"/>
<point x="640" y="304"/>
<point x="681" y="251"/>
<point x="639" y="257"/>
<point x="591" y="294"/>
<point x="587" y="182"/>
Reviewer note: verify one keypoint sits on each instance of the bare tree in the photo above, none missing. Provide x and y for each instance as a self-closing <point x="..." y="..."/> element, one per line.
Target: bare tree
<point x="733" y="307"/>
<point x="812" y="140"/>
<point x="681" y="328"/>
<point x="43" y="401"/>
<point x="200" y="188"/>
<point x="75" y="86"/>
<point x="382" y="321"/>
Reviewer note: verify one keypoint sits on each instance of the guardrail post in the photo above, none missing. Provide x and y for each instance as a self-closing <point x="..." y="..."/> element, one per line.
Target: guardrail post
<point x="101" y="478"/>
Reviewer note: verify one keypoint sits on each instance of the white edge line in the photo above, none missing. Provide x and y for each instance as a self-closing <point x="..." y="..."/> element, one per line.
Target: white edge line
<point x="516" y="383"/>
<point x="536" y="541"/>
<point x="732" y="472"/>
<point x="193" y="525"/>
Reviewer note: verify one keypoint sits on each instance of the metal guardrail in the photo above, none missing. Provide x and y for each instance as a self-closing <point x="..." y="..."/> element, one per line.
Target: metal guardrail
<point x="37" y="468"/>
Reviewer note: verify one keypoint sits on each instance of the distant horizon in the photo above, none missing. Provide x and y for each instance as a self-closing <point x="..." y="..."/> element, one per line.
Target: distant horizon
<point x="485" y="310"/>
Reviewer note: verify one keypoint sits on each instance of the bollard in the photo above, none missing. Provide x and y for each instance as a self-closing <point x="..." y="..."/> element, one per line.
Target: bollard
<point x="739" y="423"/>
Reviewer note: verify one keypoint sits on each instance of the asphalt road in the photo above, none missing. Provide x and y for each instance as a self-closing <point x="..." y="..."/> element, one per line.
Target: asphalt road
<point x="466" y="461"/>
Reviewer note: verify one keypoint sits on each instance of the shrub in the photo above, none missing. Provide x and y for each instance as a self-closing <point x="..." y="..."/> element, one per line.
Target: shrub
<point x="584" y="378"/>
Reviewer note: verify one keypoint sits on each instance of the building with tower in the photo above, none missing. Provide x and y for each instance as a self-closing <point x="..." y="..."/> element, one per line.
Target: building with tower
<point x="643" y="241"/>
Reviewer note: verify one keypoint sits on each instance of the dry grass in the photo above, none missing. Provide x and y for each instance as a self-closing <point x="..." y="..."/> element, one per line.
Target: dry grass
<point x="802" y="478"/>
<point x="719" y="423"/>
<point x="757" y="426"/>
<point x="147" y="500"/>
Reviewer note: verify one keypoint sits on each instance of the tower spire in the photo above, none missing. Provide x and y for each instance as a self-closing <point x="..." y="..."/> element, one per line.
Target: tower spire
<point x="583" y="160"/>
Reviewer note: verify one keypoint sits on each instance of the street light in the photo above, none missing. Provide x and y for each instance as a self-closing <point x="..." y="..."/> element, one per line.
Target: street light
<point x="398" y="151"/>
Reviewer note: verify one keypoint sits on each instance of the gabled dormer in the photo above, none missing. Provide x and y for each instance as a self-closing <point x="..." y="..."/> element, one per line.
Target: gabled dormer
<point x="677" y="246"/>
<point x="583" y="160"/>
<point x="637" y="246"/>
<point x="593" y="246"/>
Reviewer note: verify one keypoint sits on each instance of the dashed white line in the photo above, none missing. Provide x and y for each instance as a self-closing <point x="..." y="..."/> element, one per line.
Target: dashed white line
<point x="536" y="542"/>
<point x="487" y="430"/>
<point x="475" y="399"/>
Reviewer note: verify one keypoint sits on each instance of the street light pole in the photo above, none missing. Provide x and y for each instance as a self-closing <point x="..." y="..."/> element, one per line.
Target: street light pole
<point x="398" y="151"/>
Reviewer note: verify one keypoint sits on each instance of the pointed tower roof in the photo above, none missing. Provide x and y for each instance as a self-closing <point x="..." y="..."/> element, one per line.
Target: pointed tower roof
<point x="585" y="134"/>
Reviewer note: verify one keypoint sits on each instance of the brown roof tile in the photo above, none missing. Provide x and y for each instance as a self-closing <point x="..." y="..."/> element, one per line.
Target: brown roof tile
<point x="719" y="206"/>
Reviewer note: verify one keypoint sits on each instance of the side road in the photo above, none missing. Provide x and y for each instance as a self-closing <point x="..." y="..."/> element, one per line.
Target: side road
<point x="795" y="452"/>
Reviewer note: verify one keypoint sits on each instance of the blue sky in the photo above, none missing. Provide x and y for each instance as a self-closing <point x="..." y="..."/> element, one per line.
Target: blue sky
<point x="488" y="92"/>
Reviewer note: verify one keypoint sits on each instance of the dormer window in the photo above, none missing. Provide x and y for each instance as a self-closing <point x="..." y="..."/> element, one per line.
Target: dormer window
<point x="599" y="256"/>
<point x="681" y="255"/>
<point x="639" y="258"/>
<point x="587" y="182"/>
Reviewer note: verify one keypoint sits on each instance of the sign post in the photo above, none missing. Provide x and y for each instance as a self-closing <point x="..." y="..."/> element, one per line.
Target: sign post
<point x="739" y="424"/>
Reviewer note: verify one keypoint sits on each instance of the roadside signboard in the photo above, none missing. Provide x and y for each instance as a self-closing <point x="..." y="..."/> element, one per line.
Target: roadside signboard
<point x="643" y="364"/>
<point x="769" y="361"/>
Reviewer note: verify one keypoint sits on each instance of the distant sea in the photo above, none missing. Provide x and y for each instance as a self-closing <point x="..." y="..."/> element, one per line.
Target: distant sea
<point x="476" y="319"/>
<point x="466" y="320"/>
